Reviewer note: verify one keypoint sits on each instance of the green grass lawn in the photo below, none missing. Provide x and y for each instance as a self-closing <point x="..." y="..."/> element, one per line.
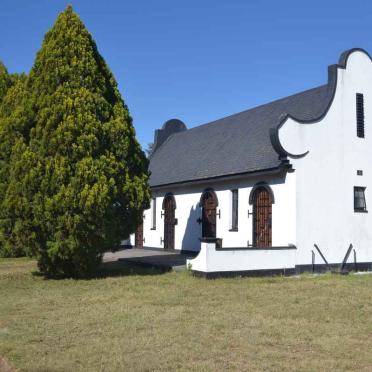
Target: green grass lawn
<point x="141" y="320"/>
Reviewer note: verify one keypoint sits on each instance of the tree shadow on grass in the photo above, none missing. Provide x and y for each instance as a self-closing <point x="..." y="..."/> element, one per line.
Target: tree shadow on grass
<point x="116" y="269"/>
<point x="123" y="268"/>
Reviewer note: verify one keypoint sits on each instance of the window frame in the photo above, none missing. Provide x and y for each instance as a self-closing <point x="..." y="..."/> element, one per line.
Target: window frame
<point x="360" y="189"/>
<point x="234" y="210"/>
<point x="153" y="213"/>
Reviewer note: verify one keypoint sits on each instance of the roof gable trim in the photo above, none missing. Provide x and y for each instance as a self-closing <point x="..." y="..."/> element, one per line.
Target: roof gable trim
<point x="332" y="86"/>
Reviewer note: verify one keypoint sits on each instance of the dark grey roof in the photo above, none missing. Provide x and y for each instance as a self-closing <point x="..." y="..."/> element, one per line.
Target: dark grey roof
<point x="233" y="145"/>
<point x="241" y="143"/>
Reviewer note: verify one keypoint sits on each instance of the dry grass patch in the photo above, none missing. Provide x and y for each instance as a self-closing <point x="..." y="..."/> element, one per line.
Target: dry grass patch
<point x="143" y="320"/>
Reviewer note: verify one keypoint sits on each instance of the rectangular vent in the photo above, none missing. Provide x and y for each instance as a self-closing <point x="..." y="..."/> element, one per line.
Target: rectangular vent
<point x="359" y="172"/>
<point x="360" y="114"/>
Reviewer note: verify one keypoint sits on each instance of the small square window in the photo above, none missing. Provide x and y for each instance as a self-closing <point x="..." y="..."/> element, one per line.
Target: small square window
<point x="359" y="199"/>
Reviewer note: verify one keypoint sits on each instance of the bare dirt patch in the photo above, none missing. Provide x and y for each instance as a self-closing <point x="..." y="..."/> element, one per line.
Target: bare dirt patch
<point x="5" y="366"/>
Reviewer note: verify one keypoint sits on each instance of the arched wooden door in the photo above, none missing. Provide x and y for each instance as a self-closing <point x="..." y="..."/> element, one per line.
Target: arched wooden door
<point x="209" y="204"/>
<point x="138" y="236"/>
<point x="169" y="206"/>
<point x="262" y="217"/>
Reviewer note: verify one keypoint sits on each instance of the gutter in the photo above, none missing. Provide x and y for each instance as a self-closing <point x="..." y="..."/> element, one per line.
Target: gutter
<point x="280" y="170"/>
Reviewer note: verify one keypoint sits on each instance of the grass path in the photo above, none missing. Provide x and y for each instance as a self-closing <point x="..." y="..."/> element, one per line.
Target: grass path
<point x="145" y="321"/>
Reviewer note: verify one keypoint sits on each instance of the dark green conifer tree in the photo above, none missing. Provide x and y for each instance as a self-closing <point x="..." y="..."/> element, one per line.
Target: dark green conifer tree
<point x="5" y="81"/>
<point x="13" y="127"/>
<point x="78" y="184"/>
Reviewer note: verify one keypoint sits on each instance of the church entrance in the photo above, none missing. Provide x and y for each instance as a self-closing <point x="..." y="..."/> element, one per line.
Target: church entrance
<point x="209" y="204"/>
<point x="262" y="215"/>
<point x="169" y="207"/>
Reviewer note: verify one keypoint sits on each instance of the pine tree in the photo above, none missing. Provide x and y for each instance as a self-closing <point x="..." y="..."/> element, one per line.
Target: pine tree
<point x="79" y="183"/>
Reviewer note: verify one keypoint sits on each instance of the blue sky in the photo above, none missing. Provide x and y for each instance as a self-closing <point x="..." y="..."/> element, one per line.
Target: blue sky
<point x="198" y="60"/>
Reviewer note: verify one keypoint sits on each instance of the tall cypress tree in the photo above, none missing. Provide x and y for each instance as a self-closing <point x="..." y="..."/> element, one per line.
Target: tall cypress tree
<point x="5" y="81"/>
<point x="5" y="84"/>
<point x="13" y="126"/>
<point x="79" y="183"/>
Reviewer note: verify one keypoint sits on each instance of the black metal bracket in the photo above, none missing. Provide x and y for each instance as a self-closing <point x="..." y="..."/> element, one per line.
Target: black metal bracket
<point x="219" y="214"/>
<point x="161" y="214"/>
<point x="144" y="240"/>
<point x="161" y="241"/>
<point x="321" y="255"/>
<point x="250" y="213"/>
<point x="199" y="220"/>
<point x="346" y="257"/>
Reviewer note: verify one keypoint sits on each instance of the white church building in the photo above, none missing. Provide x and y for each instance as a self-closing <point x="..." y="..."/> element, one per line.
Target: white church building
<point x="281" y="188"/>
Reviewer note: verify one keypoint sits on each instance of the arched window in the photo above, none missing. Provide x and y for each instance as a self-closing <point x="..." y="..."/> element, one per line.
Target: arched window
<point x="209" y="203"/>
<point x="262" y="199"/>
<point x="169" y="207"/>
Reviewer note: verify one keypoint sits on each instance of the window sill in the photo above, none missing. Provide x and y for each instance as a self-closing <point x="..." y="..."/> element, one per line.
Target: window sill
<point x="235" y="229"/>
<point x="360" y="211"/>
<point x="153" y="228"/>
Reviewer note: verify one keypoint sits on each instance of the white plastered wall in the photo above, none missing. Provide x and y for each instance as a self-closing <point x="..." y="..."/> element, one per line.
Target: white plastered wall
<point x="188" y="230"/>
<point x="211" y="260"/>
<point x="327" y="175"/>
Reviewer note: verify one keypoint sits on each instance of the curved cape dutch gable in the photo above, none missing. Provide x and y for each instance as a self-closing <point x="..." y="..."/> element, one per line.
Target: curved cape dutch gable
<point x="331" y="87"/>
<point x="244" y="143"/>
